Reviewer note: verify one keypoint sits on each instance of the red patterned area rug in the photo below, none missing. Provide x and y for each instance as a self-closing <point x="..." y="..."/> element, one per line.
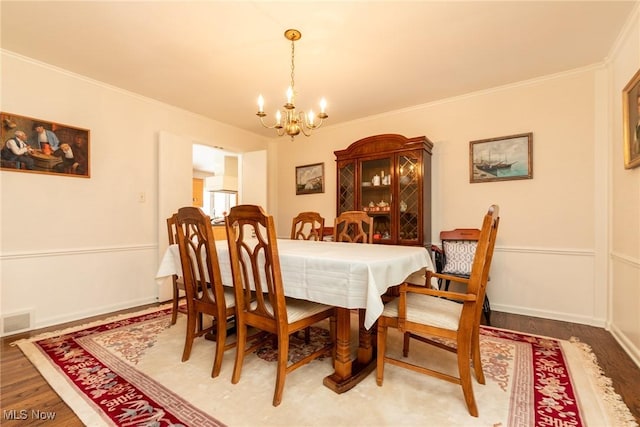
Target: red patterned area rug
<point x="127" y="372"/>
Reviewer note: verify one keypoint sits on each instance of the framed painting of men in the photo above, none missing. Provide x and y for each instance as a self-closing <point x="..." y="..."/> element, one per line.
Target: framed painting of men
<point x="37" y="146"/>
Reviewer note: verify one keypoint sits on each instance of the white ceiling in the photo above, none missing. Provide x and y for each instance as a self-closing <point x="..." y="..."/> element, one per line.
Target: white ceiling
<point x="365" y="57"/>
<point x="207" y="159"/>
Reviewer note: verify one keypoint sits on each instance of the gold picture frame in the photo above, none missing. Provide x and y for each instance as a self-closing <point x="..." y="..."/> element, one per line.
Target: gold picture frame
<point x="32" y="145"/>
<point x="631" y="122"/>
<point x="501" y="159"/>
<point x="310" y="179"/>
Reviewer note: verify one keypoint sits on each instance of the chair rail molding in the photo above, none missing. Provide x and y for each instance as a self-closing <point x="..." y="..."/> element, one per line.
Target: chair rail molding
<point x="77" y="251"/>
<point x="625" y="259"/>
<point x="546" y="251"/>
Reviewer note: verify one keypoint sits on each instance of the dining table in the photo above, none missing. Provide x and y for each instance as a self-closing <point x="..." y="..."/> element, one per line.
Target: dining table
<point x="345" y="275"/>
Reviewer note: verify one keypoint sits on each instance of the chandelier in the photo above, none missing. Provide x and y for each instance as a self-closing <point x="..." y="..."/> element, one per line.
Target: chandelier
<point x="289" y="122"/>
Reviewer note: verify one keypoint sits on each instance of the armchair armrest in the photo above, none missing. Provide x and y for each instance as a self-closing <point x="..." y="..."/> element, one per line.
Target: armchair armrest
<point x="407" y="287"/>
<point x="445" y="276"/>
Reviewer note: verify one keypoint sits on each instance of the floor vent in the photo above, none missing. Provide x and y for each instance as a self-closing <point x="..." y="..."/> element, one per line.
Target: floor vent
<point x="18" y="322"/>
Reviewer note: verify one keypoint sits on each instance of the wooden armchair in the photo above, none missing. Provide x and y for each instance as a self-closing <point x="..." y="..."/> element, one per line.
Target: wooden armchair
<point x="259" y="291"/>
<point x="307" y="226"/>
<point x="421" y="312"/>
<point x="354" y="227"/>
<point x="455" y="258"/>
<point x="203" y="282"/>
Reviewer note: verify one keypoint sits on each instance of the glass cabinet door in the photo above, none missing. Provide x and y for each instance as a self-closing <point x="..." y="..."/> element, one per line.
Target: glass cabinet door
<point x="346" y="186"/>
<point x="377" y="196"/>
<point x="409" y="197"/>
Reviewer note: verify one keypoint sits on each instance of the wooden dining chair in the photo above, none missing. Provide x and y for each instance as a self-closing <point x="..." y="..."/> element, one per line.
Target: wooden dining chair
<point x="178" y="281"/>
<point x="203" y="283"/>
<point x="455" y="258"/>
<point x="261" y="303"/>
<point x="421" y="312"/>
<point x="307" y="226"/>
<point x="354" y="227"/>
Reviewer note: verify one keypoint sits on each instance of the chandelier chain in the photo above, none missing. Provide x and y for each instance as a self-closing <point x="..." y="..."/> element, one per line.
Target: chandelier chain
<point x="293" y="66"/>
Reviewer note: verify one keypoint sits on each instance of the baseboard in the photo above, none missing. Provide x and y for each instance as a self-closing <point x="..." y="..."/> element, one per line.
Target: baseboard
<point x="79" y="315"/>
<point x="552" y="315"/>
<point x="17" y="322"/>
<point x="626" y="344"/>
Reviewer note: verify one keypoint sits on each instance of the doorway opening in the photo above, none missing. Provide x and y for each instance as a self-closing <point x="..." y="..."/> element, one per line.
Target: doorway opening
<point x="217" y="170"/>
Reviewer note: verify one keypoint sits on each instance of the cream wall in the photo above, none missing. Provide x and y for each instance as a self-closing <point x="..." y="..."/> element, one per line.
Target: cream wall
<point x="545" y="259"/>
<point x="73" y="247"/>
<point x="624" y="203"/>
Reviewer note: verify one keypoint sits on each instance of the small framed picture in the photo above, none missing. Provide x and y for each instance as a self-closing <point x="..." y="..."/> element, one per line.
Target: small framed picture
<point x="310" y="179"/>
<point x="631" y="122"/>
<point x="501" y="159"/>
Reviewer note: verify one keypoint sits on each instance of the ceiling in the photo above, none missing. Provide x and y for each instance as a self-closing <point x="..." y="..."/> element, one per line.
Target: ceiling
<point x="208" y="159"/>
<point x="366" y="57"/>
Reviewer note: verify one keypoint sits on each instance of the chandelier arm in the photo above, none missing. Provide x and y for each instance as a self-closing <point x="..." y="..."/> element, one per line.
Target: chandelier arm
<point x="303" y="119"/>
<point x="274" y="126"/>
<point x="305" y="131"/>
<point x="316" y="125"/>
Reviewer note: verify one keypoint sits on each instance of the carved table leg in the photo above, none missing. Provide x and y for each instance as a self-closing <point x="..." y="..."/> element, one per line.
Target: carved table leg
<point x="348" y="373"/>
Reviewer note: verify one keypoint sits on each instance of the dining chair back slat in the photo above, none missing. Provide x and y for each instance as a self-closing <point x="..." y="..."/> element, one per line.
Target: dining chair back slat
<point x="177" y="281"/>
<point x="307" y="226"/>
<point x="353" y="227"/>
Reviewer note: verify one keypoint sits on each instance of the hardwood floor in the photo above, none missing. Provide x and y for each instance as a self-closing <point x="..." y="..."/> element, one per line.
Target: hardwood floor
<point x="22" y="387"/>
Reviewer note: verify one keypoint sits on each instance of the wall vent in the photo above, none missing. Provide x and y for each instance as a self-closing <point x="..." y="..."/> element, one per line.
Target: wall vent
<point x="17" y="322"/>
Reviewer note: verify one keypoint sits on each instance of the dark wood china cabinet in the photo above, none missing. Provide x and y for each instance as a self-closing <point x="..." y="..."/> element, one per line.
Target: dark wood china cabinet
<point x="389" y="177"/>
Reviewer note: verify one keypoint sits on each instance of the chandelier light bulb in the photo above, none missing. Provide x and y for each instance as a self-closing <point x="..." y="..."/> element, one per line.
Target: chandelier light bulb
<point x="260" y="104"/>
<point x="289" y="95"/>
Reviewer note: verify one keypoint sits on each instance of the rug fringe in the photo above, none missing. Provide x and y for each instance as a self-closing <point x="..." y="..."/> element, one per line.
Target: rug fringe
<point x="109" y="319"/>
<point x="624" y="417"/>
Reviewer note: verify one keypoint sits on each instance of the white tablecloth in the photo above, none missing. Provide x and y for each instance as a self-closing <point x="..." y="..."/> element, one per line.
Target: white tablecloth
<point x="341" y="274"/>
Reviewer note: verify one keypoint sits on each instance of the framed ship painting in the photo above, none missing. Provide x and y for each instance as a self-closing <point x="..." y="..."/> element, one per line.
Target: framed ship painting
<point x="310" y="179"/>
<point x="631" y="121"/>
<point x="37" y="146"/>
<point x="501" y="159"/>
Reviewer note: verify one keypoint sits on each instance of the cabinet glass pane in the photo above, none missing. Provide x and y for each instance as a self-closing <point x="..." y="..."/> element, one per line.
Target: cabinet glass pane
<point x="376" y="185"/>
<point x="376" y="195"/>
<point x="409" y="197"/>
<point x="381" y="226"/>
<point x="347" y="188"/>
